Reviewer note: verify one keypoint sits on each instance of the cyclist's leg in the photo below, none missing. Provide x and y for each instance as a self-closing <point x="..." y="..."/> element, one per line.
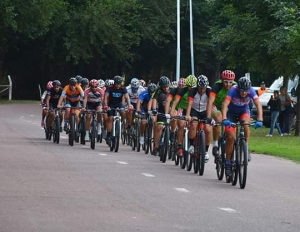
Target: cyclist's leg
<point x="157" y="132"/>
<point x="143" y="127"/>
<point x="99" y="117"/>
<point x="180" y="132"/>
<point x="67" y="107"/>
<point x="217" y="116"/>
<point x="173" y="125"/>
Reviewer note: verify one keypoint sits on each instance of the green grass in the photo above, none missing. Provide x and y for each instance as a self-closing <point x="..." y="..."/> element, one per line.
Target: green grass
<point x="285" y="147"/>
<point x="5" y="101"/>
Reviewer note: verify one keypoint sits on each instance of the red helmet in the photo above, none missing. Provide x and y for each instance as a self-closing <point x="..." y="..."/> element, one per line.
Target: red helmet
<point x="49" y="85"/>
<point x="94" y="83"/>
<point x="181" y="83"/>
<point x="228" y="75"/>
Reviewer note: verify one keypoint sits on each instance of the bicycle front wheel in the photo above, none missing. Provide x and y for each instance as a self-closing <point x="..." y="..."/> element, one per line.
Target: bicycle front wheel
<point x="235" y="165"/>
<point x="93" y="134"/>
<point x="165" y="146"/>
<point x="202" y="151"/>
<point x="220" y="159"/>
<point x="72" y="130"/>
<point x="56" y="131"/>
<point x="117" y="136"/>
<point x="243" y="163"/>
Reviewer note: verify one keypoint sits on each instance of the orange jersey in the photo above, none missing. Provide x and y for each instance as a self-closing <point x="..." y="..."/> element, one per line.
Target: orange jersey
<point x="72" y="96"/>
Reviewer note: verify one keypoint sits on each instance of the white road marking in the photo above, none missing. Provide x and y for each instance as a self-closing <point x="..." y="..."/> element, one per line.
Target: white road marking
<point x="64" y="137"/>
<point x="148" y="175"/>
<point x="183" y="190"/>
<point x="102" y="154"/>
<point x="121" y="162"/>
<point x="229" y="210"/>
<point x="32" y="115"/>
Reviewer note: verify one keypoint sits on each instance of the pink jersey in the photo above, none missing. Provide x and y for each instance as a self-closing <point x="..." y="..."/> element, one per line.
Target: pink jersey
<point x="96" y="96"/>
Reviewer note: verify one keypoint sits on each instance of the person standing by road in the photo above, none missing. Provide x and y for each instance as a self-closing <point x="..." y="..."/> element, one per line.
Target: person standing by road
<point x="284" y="114"/>
<point x="275" y="104"/>
<point x="262" y="88"/>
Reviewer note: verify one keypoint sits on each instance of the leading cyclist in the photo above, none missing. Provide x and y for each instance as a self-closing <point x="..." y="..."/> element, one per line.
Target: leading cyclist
<point x="236" y="108"/>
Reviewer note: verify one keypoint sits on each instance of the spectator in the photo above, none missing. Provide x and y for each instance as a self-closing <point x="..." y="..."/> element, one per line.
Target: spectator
<point x="284" y="114"/>
<point x="262" y="88"/>
<point x="275" y="104"/>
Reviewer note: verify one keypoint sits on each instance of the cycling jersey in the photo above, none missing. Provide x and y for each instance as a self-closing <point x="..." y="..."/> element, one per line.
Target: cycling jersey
<point x="161" y="98"/>
<point x="240" y="104"/>
<point x="54" y="97"/>
<point x="199" y="100"/>
<point x="219" y="92"/>
<point x="44" y="97"/>
<point x="183" y="96"/>
<point x="72" y="95"/>
<point x="145" y="98"/>
<point x="95" y="96"/>
<point x="115" y="95"/>
<point x="134" y="94"/>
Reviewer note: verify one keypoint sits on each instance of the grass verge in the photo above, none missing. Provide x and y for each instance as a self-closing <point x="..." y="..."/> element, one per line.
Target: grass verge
<point x="285" y="146"/>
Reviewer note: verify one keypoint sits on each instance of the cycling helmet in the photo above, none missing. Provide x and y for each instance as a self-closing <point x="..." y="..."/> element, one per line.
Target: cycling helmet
<point x="181" y="83"/>
<point x="191" y="81"/>
<point x="85" y="81"/>
<point x="72" y="81"/>
<point x="134" y="83"/>
<point x="244" y="83"/>
<point x="56" y="83"/>
<point x="202" y="81"/>
<point x="152" y="87"/>
<point x="118" y="80"/>
<point x="164" y="81"/>
<point x="142" y="82"/>
<point x="228" y="75"/>
<point x="49" y="85"/>
<point x="78" y="78"/>
<point x="174" y="84"/>
<point x="111" y="82"/>
<point x="94" y="83"/>
<point x="101" y="83"/>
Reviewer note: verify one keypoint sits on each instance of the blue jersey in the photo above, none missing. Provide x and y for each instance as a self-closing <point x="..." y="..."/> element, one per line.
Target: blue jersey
<point x="240" y="104"/>
<point x="145" y="97"/>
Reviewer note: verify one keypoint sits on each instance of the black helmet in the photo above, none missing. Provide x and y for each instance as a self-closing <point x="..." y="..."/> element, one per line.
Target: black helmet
<point x="78" y="78"/>
<point x="202" y="81"/>
<point x="244" y="83"/>
<point x="72" y="81"/>
<point x="85" y="81"/>
<point x="118" y="80"/>
<point x="152" y="87"/>
<point x="56" y="83"/>
<point x="164" y="81"/>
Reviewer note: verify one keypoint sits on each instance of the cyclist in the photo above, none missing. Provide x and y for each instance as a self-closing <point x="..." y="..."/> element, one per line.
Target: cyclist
<point x="71" y="93"/>
<point x="114" y="99"/>
<point x="196" y="109"/>
<point x="142" y="106"/>
<point x="133" y="90"/>
<point x="102" y="84"/>
<point x="52" y="101"/>
<point x="43" y="102"/>
<point x="142" y="83"/>
<point x="79" y="79"/>
<point x="93" y="97"/>
<point x="217" y="95"/>
<point x="170" y="101"/>
<point x="159" y="99"/>
<point x="84" y="85"/>
<point x="236" y="107"/>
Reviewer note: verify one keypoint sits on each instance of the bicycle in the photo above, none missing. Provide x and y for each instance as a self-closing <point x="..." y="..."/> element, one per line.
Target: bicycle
<point x="100" y="135"/>
<point x="48" y="128"/>
<point x="135" y="133"/>
<point x="116" y="130"/>
<point x="240" y="155"/>
<point x="56" y="126"/>
<point x="73" y="130"/>
<point x="221" y="157"/>
<point x="200" y="148"/>
<point x="149" y="133"/>
<point x="164" y="141"/>
<point x="93" y="128"/>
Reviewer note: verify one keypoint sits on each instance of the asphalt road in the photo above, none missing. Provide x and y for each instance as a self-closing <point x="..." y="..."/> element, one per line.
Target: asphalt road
<point x="55" y="187"/>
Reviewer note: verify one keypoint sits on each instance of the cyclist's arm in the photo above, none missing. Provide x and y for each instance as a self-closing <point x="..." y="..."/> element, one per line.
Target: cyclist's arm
<point x="210" y="103"/>
<point x="259" y="109"/>
<point x="138" y="104"/>
<point x="84" y="102"/>
<point x="189" y="107"/>
<point x="48" y="100"/>
<point x="225" y="108"/>
<point x="127" y="98"/>
<point x="168" y="102"/>
<point x="105" y="99"/>
<point x="149" y="106"/>
<point x="154" y="104"/>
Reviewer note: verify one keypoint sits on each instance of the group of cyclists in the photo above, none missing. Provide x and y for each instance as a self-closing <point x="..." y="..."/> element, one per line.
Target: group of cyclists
<point x="188" y="100"/>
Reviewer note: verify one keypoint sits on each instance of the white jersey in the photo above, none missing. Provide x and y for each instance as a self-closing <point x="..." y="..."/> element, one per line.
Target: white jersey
<point x="134" y="95"/>
<point x="200" y="102"/>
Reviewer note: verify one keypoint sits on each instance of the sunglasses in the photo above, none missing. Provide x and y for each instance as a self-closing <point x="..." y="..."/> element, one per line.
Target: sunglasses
<point x="228" y="82"/>
<point x="243" y="90"/>
<point x="94" y="87"/>
<point x="73" y="85"/>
